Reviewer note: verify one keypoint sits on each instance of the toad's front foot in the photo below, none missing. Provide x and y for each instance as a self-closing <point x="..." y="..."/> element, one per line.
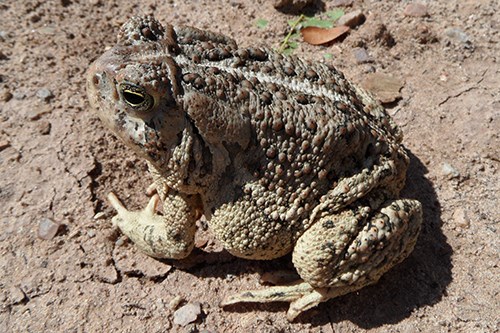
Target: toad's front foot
<point x="160" y="236"/>
<point x="301" y="295"/>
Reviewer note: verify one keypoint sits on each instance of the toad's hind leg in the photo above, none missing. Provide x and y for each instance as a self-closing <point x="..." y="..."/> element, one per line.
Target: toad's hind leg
<point x="343" y="253"/>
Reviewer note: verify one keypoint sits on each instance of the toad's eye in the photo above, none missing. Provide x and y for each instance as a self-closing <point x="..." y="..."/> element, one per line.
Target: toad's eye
<point x="136" y="97"/>
<point x="133" y="98"/>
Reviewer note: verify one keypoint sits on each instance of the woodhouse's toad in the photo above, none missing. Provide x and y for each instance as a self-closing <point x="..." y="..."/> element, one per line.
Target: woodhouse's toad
<point x="279" y="154"/>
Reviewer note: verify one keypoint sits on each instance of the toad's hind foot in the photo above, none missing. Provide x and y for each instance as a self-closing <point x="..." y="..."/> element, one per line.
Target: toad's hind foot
<point x="301" y="295"/>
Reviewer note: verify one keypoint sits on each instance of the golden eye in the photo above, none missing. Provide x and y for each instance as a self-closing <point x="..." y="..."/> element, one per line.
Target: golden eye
<point x="136" y="97"/>
<point x="133" y="98"/>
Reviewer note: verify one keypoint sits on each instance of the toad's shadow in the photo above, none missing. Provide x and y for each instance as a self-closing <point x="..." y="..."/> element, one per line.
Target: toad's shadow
<point x="419" y="280"/>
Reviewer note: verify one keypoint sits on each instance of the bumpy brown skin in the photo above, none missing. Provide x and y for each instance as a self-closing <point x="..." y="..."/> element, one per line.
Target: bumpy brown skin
<point x="279" y="154"/>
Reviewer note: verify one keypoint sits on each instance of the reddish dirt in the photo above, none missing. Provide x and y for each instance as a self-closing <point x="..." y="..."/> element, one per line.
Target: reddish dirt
<point x="57" y="162"/>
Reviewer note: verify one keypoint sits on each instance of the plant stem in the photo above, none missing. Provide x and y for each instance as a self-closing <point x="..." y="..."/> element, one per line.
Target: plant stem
<point x="290" y="33"/>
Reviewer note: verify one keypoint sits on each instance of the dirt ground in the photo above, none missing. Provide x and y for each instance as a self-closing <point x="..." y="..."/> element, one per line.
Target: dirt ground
<point x="58" y="163"/>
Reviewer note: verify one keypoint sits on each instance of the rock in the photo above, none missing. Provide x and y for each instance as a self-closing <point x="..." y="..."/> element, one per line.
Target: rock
<point x="5" y="95"/>
<point x="458" y="35"/>
<point x="461" y="218"/>
<point x="44" y="127"/>
<point x="352" y="19"/>
<point x="19" y="95"/>
<point x="106" y="272"/>
<point x="16" y="295"/>
<point x="175" y="302"/>
<point x="4" y="144"/>
<point x="236" y="4"/>
<point x="48" y="30"/>
<point x="416" y="10"/>
<point x="362" y="56"/>
<point x="187" y="314"/>
<point x="342" y="3"/>
<point x="34" y="18"/>
<point x="100" y="216"/>
<point x="291" y="5"/>
<point x="47" y="229"/>
<point x="3" y="35"/>
<point x="45" y="94"/>
<point x="385" y="87"/>
<point x="91" y="233"/>
<point x="449" y="171"/>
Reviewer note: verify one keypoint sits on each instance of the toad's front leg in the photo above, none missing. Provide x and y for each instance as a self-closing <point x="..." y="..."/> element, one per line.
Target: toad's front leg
<point x="161" y="236"/>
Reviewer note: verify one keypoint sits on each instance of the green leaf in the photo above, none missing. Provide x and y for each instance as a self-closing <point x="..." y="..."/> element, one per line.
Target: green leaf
<point x="287" y="51"/>
<point x="261" y="23"/>
<point x="316" y="22"/>
<point x="293" y="45"/>
<point x="335" y="14"/>
<point x="328" y="56"/>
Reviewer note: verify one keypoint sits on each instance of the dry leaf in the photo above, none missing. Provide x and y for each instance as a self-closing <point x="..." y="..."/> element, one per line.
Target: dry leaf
<point x="318" y="36"/>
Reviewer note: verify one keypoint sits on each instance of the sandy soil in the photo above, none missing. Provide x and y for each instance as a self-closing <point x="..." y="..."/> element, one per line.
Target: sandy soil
<point x="58" y="163"/>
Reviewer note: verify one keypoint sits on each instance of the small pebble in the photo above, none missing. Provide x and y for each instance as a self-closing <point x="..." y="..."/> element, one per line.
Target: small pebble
<point x="416" y="10"/>
<point x="187" y="314"/>
<point x="106" y="272"/>
<point x="352" y="19"/>
<point x="385" y="87"/>
<point x="449" y="171"/>
<point x="291" y="5"/>
<point x="362" y="56"/>
<point x="342" y="3"/>
<point x="5" y="95"/>
<point x="16" y="295"/>
<point x="236" y="4"/>
<point x="35" y="18"/>
<point x="44" y="127"/>
<point x="458" y="35"/>
<point x="75" y="233"/>
<point x="4" y="144"/>
<point x="48" y="30"/>
<point x="19" y="95"/>
<point x="461" y="218"/>
<point x="175" y="302"/>
<point x="45" y="94"/>
<point x="3" y="35"/>
<point x="99" y="216"/>
<point x="121" y="241"/>
<point x="47" y="229"/>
